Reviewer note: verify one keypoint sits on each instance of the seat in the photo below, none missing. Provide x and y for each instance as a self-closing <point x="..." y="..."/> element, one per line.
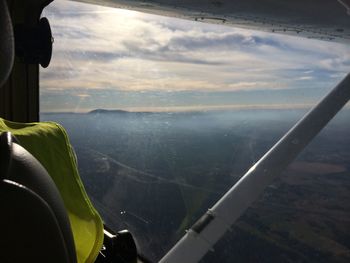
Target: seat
<point x="6" y="43"/>
<point x="34" y="224"/>
<point x="49" y="144"/>
<point x="46" y="215"/>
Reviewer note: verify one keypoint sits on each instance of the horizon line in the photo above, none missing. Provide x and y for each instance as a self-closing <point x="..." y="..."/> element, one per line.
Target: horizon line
<point x="197" y="108"/>
<point x="201" y="108"/>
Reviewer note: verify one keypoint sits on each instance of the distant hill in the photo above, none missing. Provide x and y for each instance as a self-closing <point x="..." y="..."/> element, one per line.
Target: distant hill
<point x="103" y="111"/>
<point x="136" y="113"/>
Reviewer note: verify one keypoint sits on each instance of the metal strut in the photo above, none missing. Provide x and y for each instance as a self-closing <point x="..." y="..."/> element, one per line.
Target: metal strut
<point x="212" y="225"/>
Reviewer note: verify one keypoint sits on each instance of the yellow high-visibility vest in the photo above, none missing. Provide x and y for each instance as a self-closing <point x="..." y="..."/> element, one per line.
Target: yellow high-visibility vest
<point x="49" y="144"/>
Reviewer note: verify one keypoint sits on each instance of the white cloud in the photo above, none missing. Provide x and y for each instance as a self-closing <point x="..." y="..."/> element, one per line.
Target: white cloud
<point x="305" y="78"/>
<point x="104" y="48"/>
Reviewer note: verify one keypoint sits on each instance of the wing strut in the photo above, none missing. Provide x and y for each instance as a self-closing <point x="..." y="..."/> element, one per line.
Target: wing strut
<point x="202" y="236"/>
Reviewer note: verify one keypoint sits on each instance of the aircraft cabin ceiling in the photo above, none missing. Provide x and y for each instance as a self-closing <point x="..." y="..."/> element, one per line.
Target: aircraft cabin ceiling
<point x="319" y="19"/>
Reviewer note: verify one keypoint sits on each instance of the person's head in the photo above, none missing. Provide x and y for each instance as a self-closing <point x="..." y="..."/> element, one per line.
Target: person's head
<point x="6" y="43"/>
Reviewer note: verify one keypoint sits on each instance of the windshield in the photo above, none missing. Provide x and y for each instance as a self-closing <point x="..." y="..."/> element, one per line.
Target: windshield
<point x="165" y="115"/>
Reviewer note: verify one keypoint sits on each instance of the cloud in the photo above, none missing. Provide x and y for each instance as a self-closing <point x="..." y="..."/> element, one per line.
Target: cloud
<point x="305" y="78"/>
<point x="83" y="96"/>
<point x="98" y="48"/>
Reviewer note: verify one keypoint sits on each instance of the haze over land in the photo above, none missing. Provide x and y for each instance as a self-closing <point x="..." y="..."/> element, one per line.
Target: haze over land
<point x="156" y="173"/>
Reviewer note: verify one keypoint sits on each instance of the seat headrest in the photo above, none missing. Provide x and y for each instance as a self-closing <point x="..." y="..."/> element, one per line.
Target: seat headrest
<point x="22" y="168"/>
<point x="6" y="43"/>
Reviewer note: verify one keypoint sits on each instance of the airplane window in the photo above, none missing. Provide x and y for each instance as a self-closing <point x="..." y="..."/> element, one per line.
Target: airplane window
<point x="165" y="115"/>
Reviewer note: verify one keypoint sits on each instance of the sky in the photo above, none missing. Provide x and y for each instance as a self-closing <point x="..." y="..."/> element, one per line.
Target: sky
<point x="118" y="59"/>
